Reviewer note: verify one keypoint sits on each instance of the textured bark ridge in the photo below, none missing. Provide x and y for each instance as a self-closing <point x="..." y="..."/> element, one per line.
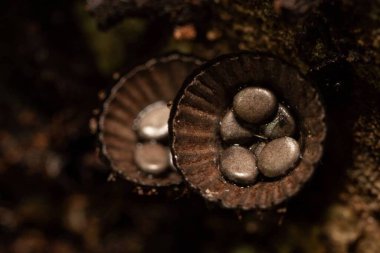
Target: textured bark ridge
<point x="108" y="12"/>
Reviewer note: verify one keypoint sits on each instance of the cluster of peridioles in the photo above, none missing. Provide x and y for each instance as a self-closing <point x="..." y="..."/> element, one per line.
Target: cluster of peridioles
<point x="254" y="119"/>
<point x="243" y="130"/>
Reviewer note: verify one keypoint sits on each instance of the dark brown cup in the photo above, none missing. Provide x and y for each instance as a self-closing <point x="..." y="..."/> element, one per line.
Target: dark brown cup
<point x="157" y="80"/>
<point x="203" y="101"/>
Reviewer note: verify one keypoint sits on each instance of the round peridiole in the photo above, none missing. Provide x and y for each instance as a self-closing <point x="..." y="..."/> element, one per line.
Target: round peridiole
<point x="233" y="132"/>
<point x="282" y="125"/>
<point x="238" y="165"/>
<point x="152" y="158"/>
<point x="255" y="104"/>
<point x="278" y="156"/>
<point x="152" y="122"/>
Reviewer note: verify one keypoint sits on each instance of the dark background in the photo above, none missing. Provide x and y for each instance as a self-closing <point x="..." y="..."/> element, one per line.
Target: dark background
<point x="55" y="195"/>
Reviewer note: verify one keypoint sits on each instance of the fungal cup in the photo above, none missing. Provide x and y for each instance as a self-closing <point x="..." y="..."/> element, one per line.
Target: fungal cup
<point x="131" y="125"/>
<point x="198" y="145"/>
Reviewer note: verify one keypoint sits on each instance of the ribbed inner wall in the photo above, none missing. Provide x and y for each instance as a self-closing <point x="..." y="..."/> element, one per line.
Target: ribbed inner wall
<point x="196" y="129"/>
<point x="159" y="82"/>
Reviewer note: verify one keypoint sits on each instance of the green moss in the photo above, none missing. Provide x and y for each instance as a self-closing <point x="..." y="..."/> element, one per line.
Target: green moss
<point x="180" y="46"/>
<point x="111" y="47"/>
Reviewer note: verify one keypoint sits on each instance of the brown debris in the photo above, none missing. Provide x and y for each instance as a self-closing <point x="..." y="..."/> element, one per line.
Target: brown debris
<point x="295" y="6"/>
<point x="185" y="32"/>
